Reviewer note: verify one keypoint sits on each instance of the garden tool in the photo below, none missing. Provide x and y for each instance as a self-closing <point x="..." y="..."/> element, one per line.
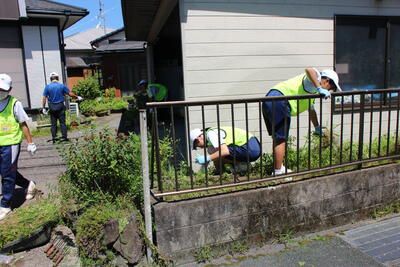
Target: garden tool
<point x="51" y="244"/>
<point x="61" y="257"/>
<point x="60" y="253"/>
<point x="53" y="247"/>
<point x="57" y="250"/>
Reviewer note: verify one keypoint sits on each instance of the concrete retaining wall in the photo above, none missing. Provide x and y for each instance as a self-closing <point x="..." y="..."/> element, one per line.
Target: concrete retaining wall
<point x="183" y="227"/>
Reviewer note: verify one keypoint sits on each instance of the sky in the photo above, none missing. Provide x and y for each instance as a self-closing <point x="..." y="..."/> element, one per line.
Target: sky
<point x="111" y="9"/>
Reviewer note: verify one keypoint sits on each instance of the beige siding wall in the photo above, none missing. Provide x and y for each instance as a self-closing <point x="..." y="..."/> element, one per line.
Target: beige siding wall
<point x="241" y="48"/>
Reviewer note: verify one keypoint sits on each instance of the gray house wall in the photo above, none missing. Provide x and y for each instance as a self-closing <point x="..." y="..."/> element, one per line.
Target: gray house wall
<point x="241" y="49"/>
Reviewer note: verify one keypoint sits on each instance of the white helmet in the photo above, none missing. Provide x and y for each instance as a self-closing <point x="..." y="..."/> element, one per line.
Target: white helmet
<point x="193" y="135"/>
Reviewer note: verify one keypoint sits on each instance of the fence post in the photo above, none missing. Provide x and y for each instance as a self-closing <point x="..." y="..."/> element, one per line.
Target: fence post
<point x="361" y="129"/>
<point x="146" y="181"/>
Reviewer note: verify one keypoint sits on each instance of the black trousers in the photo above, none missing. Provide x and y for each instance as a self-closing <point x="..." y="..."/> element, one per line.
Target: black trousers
<point x="57" y="112"/>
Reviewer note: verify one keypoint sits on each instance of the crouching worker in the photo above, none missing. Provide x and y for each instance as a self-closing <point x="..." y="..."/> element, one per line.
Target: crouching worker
<point x="12" y="126"/>
<point x="240" y="149"/>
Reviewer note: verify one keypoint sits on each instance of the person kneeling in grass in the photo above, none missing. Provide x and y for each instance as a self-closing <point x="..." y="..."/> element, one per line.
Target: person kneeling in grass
<point x="240" y="148"/>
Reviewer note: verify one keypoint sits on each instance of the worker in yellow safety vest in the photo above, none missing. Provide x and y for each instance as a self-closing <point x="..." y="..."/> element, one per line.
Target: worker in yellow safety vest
<point x="12" y="127"/>
<point x="243" y="147"/>
<point x="275" y="115"/>
<point x="155" y="91"/>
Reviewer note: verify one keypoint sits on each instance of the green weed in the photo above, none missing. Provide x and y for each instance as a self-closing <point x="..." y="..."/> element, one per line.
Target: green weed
<point x="238" y="247"/>
<point x="385" y="210"/>
<point x="284" y="237"/>
<point x="203" y="254"/>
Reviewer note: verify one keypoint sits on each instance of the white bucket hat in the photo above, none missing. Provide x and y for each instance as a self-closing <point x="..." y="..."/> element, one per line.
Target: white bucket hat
<point x="5" y="82"/>
<point x="193" y="135"/>
<point x="333" y="76"/>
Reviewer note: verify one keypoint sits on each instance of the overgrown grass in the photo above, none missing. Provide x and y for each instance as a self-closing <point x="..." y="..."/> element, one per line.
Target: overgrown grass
<point x="29" y="218"/>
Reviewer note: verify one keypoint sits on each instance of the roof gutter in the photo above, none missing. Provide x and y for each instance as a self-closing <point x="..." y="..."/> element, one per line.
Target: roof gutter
<point x="50" y="12"/>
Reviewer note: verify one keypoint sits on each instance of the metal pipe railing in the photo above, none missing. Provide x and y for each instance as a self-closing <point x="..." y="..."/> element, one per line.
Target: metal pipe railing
<point x="311" y="157"/>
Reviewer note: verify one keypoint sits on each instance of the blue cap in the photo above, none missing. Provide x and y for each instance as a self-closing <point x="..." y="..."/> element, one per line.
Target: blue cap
<point x="142" y="82"/>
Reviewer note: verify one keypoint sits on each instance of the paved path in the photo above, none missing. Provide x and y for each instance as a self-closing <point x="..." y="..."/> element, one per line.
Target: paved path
<point x="367" y="243"/>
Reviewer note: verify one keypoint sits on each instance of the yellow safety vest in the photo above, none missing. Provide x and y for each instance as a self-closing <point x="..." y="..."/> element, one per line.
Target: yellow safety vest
<point x="160" y="93"/>
<point x="295" y="86"/>
<point x="240" y="136"/>
<point x="10" y="131"/>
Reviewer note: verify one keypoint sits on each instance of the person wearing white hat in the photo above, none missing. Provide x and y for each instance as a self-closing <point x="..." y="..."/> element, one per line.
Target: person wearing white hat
<point x="278" y="115"/>
<point x="55" y="93"/>
<point x="239" y="147"/>
<point x="12" y="127"/>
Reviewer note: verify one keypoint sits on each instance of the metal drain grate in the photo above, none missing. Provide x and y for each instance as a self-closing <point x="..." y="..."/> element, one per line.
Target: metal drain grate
<point x="380" y="240"/>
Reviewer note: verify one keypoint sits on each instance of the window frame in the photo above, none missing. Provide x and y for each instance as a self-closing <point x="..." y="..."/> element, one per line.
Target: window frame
<point x="348" y="107"/>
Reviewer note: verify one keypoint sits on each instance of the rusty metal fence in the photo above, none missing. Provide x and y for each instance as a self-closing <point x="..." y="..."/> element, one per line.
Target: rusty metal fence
<point x="362" y="128"/>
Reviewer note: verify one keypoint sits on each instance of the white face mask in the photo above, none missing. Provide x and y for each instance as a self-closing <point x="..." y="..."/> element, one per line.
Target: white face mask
<point x="3" y="95"/>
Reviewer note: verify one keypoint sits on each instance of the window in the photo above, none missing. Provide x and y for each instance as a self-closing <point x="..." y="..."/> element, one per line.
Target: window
<point x="368" y="53"/>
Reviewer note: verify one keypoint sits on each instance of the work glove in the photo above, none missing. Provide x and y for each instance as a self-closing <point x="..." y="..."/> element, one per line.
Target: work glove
<point x="200" y="159"/>
<point x="318" y="130"/>
<point x="80" y="98"/>
<point x="44" y="111"/>
<point x="324" y="92"/>
<point x="31" y="148"/>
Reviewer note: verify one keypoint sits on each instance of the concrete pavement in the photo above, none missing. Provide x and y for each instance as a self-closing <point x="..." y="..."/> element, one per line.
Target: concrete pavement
<point x="367" y="243"/>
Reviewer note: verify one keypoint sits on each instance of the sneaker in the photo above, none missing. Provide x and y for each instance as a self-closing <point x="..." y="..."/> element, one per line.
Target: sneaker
<point x="64" y="140"/>
<point x="4" y="212"/>
<point x="283" y="170"/>
<point x="30" y="193"/>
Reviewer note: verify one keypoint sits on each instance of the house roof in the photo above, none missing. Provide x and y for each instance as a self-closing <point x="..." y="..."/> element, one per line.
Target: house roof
<point x="75" y="62"/>
<point x="121" y="46"/>
<point x="105" y="36"/>
<point x="66" y="14"/>
<point x="82" y="40"/>
<point x="144" y="19"/>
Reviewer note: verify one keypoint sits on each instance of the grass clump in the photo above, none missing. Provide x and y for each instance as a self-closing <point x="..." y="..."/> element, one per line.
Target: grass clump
<point x="90" y="225"/>
<point x="238" y="247"/>
<point x="27" y="219"/>
<point x="385" y="210"/>
<point x="204" y="254"/>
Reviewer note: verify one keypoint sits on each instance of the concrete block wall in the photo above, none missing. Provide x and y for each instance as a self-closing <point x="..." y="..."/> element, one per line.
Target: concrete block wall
<point x="183" y="227"/>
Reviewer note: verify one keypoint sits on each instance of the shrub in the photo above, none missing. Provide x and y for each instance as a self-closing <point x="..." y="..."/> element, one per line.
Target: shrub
<point x="90" y="107"/>
<point x="88" y="88"/>
<point x="102" y="167"/>
<point x="110" y="92"/>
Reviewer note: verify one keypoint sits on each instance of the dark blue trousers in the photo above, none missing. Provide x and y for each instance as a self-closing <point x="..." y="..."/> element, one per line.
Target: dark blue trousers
<point x="9" y="174"/>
